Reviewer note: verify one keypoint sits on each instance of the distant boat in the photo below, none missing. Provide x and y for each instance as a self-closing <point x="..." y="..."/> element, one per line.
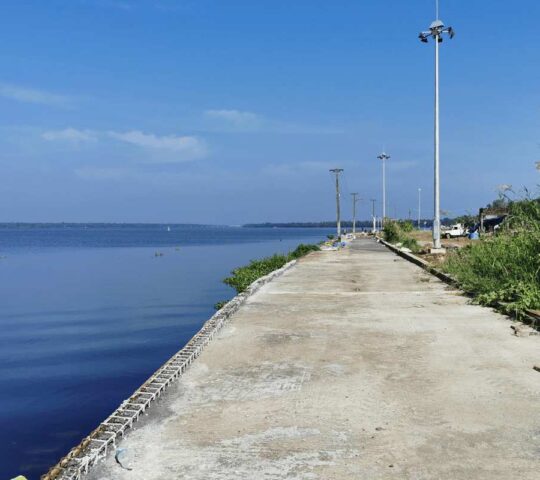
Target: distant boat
<point x="168" y="229"/>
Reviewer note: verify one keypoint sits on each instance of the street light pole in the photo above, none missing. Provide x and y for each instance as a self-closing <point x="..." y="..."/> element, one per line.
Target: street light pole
<point x="436" y="31"/>
<point x="372" y="200"/>
<point x="419" y="206"/>
<point x="354" y="195"/>
<point x="436" y="176"/>
<point x="383" y="156"/>
<point x="337" y="171"/>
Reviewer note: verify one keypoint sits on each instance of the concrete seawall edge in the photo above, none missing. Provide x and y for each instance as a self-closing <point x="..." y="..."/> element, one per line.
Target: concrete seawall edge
<point x="98" y="444"/>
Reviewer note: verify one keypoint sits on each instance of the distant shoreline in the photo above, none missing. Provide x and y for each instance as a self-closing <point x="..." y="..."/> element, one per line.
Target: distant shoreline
<point x="165" y="225"/>
<point x="344" y="224"/>
<point x="106" y="224"/>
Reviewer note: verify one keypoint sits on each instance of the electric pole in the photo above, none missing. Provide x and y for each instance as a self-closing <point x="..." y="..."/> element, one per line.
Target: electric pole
<point x="337" y="171"/>
<point x="354" y="195"/>
<point x="372" y="200"/>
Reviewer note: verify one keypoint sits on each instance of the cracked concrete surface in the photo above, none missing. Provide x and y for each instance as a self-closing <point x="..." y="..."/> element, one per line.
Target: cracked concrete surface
<point x="353" y="365"/>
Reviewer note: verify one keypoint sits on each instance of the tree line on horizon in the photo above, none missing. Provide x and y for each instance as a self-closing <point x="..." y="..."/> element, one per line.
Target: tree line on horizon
<point x="424" y="222"/>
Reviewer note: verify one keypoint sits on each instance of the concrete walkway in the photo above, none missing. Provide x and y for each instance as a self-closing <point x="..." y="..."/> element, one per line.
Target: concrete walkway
<point x="353" y="365"/>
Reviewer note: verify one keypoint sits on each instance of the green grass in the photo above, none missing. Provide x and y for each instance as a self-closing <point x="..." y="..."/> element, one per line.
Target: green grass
<point x="302" y="250"/>
<point x="411" y="244"/>
<point x="242" y="277"/>
<point x="396" y="232"/>
<point x="220" y="305"/>
<point x="504" y="270"/>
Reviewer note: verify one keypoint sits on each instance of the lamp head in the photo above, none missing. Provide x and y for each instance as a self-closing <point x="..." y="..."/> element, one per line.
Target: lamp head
<point x="436" y="30"/>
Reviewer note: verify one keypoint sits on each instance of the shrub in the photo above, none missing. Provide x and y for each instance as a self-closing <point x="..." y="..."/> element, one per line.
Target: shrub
<point x="391" y="231"/>
<point x="302" y="250"/>
<point x="411" y="244"/>
<point x="406" y="226"/>
<point x="395" y="232"/>
<point x="242" y="277"/>
<point x="504" y="270"/>
<point x="220" y="305"/>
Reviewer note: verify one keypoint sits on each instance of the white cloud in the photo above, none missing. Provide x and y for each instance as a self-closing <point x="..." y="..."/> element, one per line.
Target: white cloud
<point x="186" y="147"/>
<point x="236" y="118"/>
<point x="69" y="135"/>
<point x="239" y="121"/>
<point x="31" y="95"/>
<point x="159" y="149"/>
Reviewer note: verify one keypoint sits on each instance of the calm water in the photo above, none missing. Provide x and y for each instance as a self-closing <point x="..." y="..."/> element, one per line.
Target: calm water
<point x="88" y="313"/>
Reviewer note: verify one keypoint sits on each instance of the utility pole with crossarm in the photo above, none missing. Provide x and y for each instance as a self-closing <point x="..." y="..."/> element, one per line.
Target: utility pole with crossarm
<point x="354" y="201"/>
<point x="337" y="171"/>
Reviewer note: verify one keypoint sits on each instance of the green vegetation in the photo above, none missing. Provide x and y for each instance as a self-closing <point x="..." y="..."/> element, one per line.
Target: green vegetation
<point x="242" y="277"/>
<point x="396" y="232"/>
<point x="411" y="244"/>
<point x="326" y="224"/>
<point x="406" y="226"/>
<point x="302" y="250"/>
<point x="504" y="270"/>
<point x="391" y="231"/>
<point x="220" y="305"/>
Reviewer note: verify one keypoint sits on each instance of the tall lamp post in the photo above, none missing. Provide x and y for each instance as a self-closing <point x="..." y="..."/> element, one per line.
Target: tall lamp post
<point x="419" y="206"/>
<point x="436" y="31"/>
<point x="372" y="200"/>
<point x="383" y="156"/>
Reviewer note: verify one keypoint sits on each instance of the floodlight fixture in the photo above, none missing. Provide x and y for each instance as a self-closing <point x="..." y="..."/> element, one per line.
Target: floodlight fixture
<point x="436" y="31"/>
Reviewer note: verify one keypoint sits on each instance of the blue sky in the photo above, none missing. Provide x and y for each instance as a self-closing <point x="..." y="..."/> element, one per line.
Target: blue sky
<point x="233" y="111"/>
